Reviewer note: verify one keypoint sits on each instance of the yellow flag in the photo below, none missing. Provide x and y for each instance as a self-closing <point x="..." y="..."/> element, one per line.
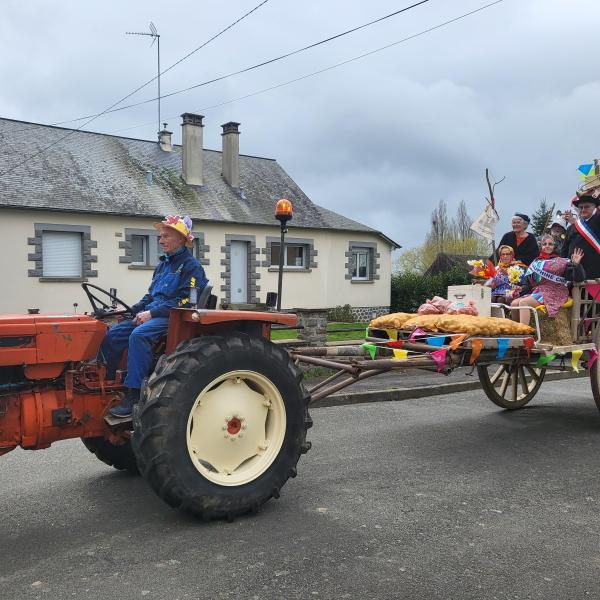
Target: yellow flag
<point x="575" y="357"/>
<point x="392" y="334"/>
<point x="401" y="354"/>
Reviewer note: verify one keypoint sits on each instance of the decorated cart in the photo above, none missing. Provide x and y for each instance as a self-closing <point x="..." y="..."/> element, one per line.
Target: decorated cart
<point x="511" y="359"/>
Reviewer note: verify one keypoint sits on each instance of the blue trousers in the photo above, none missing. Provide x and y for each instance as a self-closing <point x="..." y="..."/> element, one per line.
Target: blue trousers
<point x="139" y="340"/>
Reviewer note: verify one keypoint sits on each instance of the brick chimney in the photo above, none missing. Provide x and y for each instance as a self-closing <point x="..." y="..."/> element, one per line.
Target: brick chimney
<point x="231" y="154"/>
<point x="192" y="167"/>
<point x="164" y="139"/>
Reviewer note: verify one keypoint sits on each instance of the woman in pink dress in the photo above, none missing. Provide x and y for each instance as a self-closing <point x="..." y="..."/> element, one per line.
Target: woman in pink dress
<point x="550" y="275"/>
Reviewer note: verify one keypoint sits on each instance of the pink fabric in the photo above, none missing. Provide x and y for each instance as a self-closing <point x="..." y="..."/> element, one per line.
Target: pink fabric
<point x="554" y="294"/>
<point x="460" y="309"/>
<point x="435" y="306"/>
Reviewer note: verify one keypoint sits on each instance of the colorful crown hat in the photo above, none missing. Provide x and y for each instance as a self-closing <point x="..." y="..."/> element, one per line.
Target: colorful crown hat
<point x="182" y="225"/>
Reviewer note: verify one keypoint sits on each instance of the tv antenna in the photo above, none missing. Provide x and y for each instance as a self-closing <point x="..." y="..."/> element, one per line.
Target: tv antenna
<point x="153" y="33"/>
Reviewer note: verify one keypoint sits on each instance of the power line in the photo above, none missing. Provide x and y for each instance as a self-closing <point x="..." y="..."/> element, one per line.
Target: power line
<point x="252" y="67"/>
<point x="112" y="106"/>
<point x="331" y="67"/>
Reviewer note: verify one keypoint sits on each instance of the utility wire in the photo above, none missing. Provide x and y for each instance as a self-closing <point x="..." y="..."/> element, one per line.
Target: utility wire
<point x="252" y="67"/>
<point x="330" y="67"/>
<point x="112" y="106"/>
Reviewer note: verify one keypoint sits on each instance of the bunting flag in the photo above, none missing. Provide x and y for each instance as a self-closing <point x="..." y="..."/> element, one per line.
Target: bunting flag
<point x="528" y="343"/>
<point x="395" y="344"/>
<point x="502" y="347"/>
<point x="476" y="346"/>
<point x="593" y="289"/>
<point x="457" y="341"/>
<point x="436" y="340"/>
<point x="593" y="358"/>
<point x="392" y="333"/>
<point x="439" y="356"/>
<point x="585" y="169"/>
<point x="400" y="354"/>
<point x="575" y="358"/>
<point x="544" y="360"/>
<point x="372" y="348"/>
<point x="415" y="333"/>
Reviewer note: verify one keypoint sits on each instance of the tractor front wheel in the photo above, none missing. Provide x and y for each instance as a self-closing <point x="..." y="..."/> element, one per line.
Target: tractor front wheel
<point x="221" y="425"/>
<point x="120" y="457"/>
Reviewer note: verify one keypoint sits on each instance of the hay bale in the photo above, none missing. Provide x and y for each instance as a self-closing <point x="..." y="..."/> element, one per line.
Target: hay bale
<point x="556" y="330"/>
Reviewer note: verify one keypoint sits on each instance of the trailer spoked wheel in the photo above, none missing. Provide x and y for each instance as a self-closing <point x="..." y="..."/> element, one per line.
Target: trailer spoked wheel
<point x="595" y="374"/>
<point x="221" y="425"/>
<point x="512" y="385"/>
<point x="120" y="457"/>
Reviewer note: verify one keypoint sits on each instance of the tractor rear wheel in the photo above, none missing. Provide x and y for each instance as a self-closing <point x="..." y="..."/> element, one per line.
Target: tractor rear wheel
<point x="120" y="457"/>
<point x="221" y="425"/>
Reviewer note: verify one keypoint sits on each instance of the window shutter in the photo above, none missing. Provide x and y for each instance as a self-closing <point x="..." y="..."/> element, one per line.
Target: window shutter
<point x="61" y="254"/>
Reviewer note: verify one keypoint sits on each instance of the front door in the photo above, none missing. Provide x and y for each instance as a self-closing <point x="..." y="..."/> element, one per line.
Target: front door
<point x="239" y="272"/>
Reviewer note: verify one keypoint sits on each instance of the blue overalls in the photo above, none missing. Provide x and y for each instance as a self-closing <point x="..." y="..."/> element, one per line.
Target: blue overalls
<point x="171" y="282"/>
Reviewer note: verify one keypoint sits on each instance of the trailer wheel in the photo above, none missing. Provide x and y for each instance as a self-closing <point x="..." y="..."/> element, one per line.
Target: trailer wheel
<point x="221" y="425"/>
<point x="595" y="374"/>
<point x="120" y="457"/>
<point x="512" y="385"/>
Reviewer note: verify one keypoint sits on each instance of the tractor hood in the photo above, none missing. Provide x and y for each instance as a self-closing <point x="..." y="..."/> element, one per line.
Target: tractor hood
<point x="43" y="339"/>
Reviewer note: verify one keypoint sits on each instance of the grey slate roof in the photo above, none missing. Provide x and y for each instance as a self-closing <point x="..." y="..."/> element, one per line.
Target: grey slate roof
<point x="98" y="173"/>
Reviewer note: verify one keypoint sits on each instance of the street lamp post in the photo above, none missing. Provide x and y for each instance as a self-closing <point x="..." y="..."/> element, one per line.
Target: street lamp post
<point x="283" y="213"/>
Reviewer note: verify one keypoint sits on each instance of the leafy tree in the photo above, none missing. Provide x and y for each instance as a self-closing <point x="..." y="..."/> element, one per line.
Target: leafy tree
<point x="541" y="217"/>
<point x="453" y="236"/>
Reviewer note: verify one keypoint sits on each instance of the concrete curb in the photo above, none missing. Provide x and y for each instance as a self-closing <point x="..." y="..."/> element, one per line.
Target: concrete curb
<point x="397" y="394"/>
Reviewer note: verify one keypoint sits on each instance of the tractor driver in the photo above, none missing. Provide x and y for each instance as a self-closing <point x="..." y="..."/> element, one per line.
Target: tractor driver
<point x="176" y="274"/>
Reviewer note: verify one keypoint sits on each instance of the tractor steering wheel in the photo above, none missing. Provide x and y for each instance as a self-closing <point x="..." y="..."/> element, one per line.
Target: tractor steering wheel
<point x="101" y="308"/>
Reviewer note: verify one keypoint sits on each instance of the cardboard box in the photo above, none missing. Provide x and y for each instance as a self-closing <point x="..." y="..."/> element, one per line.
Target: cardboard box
<point x="480" y="294"/>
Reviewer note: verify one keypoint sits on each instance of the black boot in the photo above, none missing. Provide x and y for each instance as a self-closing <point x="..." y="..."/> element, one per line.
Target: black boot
<point x="125" y="408"/>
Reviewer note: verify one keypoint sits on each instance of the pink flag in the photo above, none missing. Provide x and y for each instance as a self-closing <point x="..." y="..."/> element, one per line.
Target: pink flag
<point x="415" y="333"/>
<point x="593" y="358"/>
<point x="439" y="356"/>
<point x="593" y="289"/>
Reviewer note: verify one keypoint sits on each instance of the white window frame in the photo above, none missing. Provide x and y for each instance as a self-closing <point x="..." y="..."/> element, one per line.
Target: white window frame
<point x="356" y="252"/>
<point x="145" y="243"/>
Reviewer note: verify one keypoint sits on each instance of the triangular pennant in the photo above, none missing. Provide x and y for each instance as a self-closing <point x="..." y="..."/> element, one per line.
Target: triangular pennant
<point x="401" y="354"/>
<point x="437" y="340"/>
<point x="575" y="358"/>
<point x="392" y="334"/>
<point x="439" y="356"/>
<point x="502" y="347"/>
<point x="593" y="357"/>
<point x="395" y="344"/>
<point x="585" y="169"/>
<point x="528" y="344"/>
<point x="544" y="360"/>
<point x="476" y="346"/>
<point x="415" y="333"/>
<point x="457" y="341"/>
<point x="372" y="349"/>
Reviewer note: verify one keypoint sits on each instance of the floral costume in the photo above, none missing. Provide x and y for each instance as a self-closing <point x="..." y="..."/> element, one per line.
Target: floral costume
<point x="551" y="277"/>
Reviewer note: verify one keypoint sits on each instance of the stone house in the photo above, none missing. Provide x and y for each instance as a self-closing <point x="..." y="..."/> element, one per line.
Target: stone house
<point x="84" y="209"/>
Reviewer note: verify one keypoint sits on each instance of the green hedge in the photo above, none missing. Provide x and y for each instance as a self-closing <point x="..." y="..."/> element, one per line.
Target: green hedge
<point x="410" y="290"/>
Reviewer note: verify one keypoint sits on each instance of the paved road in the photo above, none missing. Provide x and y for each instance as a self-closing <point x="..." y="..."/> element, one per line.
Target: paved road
<point x="432" y="498"/>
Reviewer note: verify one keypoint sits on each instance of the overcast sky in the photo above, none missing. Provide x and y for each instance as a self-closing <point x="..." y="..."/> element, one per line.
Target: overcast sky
<point x="515" y="88"/>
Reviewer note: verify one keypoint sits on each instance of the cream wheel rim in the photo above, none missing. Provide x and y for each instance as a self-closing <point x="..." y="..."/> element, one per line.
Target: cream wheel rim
<point x="236" y="428"/>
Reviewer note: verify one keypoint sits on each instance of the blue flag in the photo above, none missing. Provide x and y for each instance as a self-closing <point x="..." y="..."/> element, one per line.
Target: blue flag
<point x="502" y="347"/>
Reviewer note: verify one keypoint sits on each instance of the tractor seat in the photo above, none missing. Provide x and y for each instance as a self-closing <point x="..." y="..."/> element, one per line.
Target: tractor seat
<point x="205" y="298"/>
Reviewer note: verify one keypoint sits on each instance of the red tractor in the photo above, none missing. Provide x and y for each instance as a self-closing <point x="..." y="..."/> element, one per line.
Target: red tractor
<point x="221" y="422"/>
